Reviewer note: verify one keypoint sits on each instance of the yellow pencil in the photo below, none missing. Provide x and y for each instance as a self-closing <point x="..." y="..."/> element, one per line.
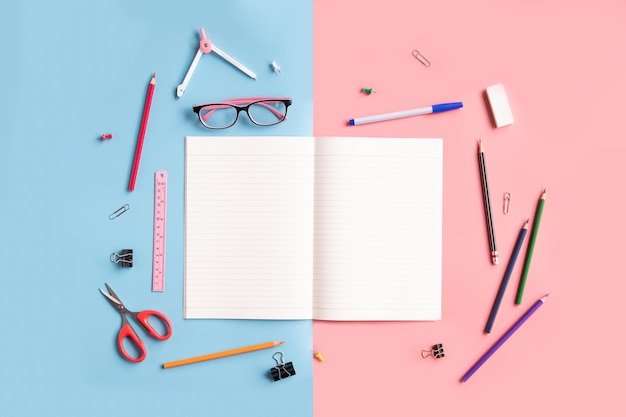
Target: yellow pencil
<point x="223" y="354"/>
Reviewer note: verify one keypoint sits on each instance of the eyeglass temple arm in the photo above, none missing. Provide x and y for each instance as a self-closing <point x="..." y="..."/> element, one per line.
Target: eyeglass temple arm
<point x="210" y="112"/>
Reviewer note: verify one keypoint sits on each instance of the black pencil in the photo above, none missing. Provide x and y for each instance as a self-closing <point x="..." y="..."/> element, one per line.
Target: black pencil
<point x="487" y="203"/>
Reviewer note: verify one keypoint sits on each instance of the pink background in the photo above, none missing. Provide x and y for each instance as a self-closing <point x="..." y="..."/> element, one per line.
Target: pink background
<point x="564" y="69"/>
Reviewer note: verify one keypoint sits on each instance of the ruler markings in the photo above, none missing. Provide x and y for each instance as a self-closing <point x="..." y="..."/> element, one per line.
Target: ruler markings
<point x="160" y="212"/>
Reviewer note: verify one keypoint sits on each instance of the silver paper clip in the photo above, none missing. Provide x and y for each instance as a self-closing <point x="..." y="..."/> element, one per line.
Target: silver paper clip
<point x="119" y="211"/>
<point x="421" y="58"/>
<point x="507" y="202"/>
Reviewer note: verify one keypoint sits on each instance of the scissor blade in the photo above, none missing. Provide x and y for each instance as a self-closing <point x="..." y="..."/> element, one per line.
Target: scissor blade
<point x="112" y="299"/>
<point x="110" y="290"/>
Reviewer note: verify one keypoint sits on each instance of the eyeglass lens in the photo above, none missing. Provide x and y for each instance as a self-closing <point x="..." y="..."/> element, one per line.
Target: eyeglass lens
<point x="264" y="113"/>
<point x="267" y="112"/>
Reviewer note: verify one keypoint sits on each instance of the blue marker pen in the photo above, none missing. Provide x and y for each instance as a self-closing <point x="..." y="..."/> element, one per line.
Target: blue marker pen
<point x="435" y="108"/>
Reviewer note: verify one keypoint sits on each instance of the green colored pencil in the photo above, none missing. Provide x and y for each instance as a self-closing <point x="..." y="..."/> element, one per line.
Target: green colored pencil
<point x="531" y="248"/>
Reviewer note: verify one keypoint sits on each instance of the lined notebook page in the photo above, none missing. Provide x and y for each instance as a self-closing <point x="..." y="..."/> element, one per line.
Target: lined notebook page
<point x="378" y="227"/>
<point x="248" y="227"/>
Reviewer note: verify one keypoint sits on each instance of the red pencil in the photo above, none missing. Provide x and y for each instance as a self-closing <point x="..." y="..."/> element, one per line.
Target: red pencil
<point x="142" y="133"/>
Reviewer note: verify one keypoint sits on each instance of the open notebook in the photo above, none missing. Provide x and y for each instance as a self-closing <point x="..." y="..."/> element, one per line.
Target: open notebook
<point x="313" y="228"/>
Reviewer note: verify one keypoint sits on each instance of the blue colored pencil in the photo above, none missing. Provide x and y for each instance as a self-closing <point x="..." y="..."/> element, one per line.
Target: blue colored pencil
<point x="507" y="276"/>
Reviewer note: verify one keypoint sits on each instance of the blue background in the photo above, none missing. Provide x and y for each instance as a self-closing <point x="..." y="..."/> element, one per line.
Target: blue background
<point x="73" y="70"/>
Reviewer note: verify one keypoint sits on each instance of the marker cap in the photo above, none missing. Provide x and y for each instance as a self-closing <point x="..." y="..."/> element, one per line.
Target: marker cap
<point x="446" y="106"/>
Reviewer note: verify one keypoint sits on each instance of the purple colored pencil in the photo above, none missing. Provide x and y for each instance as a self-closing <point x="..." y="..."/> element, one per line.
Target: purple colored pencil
<point x="504" y="338"/>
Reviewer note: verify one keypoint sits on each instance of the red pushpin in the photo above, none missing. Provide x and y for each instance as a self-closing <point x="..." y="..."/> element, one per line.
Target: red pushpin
<point x="106" y="136"/>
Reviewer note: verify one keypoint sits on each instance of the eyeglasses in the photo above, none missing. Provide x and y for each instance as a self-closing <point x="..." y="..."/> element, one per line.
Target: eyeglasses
<point x="262" y="111"/>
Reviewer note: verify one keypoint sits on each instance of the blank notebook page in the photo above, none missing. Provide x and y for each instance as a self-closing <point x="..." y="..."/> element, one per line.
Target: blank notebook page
<point x="378" y="227"/>
<point x="248" y="227"/>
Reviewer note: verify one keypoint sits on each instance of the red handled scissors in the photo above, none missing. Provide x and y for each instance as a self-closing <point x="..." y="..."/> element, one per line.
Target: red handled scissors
<point x="143" y="318"/>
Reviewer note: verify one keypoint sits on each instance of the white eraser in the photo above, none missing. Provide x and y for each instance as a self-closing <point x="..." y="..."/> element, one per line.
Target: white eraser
<point x="499" y="104"/>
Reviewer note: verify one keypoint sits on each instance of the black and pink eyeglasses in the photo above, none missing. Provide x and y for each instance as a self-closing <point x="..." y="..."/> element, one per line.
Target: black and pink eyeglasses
<point x="262" y="111"/>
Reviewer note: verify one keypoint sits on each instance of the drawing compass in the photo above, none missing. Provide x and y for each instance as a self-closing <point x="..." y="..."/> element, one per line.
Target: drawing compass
<point x="207" y="47"/>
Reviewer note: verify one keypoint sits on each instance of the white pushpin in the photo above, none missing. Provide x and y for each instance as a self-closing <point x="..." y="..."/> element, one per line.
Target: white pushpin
<point x="207" y="47"/>
<point x="275" y="67"/>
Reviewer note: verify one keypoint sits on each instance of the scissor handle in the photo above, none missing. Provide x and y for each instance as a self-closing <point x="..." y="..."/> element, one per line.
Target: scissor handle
<point x="143" y="318"/>
<point x="127" y="332"/>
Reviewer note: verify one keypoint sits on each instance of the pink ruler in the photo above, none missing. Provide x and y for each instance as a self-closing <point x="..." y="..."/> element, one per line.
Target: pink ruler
<point x="158" y="253"/>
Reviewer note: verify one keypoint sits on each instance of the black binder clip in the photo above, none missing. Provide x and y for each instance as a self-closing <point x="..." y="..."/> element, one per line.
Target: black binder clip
<point x="124" y="258"/>
<point x="436" y="352"/>
<point x="281" y="370"/>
